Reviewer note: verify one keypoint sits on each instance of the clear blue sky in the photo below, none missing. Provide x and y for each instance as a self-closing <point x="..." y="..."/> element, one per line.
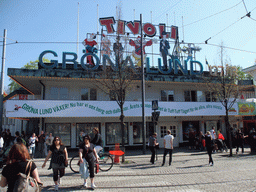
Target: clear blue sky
<point x="56" y="21"/>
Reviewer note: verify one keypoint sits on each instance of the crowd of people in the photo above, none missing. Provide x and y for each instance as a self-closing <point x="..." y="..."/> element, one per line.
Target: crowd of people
<point x="23" y="151"/>
<point x="211" y="142"/>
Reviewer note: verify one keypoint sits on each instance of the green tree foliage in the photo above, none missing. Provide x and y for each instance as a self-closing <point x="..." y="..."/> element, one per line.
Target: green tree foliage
<point x="242" y="75"/>
<point x="31" y="65"/>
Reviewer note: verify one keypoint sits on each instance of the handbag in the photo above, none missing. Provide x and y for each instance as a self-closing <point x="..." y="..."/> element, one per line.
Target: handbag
<point x="97" y="168"/>
<point x="26" y="183"/>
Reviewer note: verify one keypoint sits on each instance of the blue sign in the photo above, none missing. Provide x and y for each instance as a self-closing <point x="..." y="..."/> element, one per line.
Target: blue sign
<point x="155" y="105"/>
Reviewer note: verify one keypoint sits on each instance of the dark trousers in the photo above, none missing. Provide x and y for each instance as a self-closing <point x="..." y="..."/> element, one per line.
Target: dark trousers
<point x="41" y="149"/>
<point x="166" y="151"/>
<point x="153" y="151"/>
<point x="209" y="151"/>
<point x="240" y="144"/>
<point x="91" y="167"/>
<point x="58" y="171"/>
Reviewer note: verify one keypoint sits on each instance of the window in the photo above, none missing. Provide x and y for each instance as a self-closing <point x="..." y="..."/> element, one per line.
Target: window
<point x="173" y="130"/>
<point x="59" y="93"/>
<point x="86" y="128"/>
<point x="63" y="130"/>
<point x="167" y="95"/>
<point x="114" y="133"/>
<point x="190" y="95"/>
<point x="200" y="96"/>
<point x="88" y="94"/>
<point x="163" y="130"/>
<point x="210" y="96"/>
<point x="137" y="131"/>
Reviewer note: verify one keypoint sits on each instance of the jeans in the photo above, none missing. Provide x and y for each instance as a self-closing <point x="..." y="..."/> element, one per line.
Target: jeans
<point x="166" y="151"/>
<point x="33" y="151"/>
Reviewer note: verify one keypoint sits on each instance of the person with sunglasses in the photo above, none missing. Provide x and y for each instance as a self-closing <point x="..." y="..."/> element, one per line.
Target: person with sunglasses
<point x="87" y="153"/>
<point x="59" y="160"/>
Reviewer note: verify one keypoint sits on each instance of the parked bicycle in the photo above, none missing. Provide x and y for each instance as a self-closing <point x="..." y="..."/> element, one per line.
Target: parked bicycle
<point x="105" y="162"/>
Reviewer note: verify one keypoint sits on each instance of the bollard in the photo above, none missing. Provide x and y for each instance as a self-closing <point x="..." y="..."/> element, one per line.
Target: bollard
<point x="117" y="159"/>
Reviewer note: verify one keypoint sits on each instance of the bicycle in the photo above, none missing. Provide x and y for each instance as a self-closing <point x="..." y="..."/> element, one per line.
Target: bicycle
<point x="105" y="162"/>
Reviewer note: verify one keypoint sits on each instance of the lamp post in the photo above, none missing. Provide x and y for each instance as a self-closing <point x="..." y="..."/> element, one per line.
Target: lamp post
<point x="2" y="80"/>
<point x="143" y="91"/>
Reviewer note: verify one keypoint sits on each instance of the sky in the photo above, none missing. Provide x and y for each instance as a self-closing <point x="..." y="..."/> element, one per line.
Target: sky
<point x="39" y="25"/>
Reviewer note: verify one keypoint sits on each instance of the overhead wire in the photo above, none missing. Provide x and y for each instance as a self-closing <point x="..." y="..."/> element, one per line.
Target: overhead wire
<point x="213" y="14"/>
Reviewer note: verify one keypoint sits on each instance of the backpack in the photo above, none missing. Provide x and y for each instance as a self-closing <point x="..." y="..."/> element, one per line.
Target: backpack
<point x="26" y="183"/>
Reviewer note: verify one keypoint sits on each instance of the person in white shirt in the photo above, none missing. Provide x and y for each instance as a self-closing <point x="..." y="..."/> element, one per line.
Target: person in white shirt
<point x="1" y="142"/>
<point x="213" y="134"/>
<point x="168" y="146"/>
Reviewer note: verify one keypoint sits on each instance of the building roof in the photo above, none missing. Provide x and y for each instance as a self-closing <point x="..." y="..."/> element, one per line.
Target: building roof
<point x="249" y="69"/>
<point x="20" y="91"/>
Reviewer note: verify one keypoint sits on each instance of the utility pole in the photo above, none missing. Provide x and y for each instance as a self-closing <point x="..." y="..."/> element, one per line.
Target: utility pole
<point x="143" y="92"/>
<point x="2" y="80"/>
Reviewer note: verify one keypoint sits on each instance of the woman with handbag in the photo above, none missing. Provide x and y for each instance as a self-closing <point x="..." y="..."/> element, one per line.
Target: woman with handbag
<point x="87" y="154"/>
<point x="17" y="162"/>
<point x="59" y="160"/>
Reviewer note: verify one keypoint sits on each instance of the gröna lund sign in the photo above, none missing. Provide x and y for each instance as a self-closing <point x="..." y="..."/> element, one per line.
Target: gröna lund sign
<point x="174" y="65"/>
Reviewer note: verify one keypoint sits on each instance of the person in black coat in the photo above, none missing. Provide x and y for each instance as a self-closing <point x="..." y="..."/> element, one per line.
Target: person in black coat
<point x="209" y="146"/>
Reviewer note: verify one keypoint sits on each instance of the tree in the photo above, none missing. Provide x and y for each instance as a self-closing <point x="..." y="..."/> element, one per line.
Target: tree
<point x="31" y="65"/>
<point x="224" y="86"/>
<point x="117" y="81"/>
<point x="242" y="75"/>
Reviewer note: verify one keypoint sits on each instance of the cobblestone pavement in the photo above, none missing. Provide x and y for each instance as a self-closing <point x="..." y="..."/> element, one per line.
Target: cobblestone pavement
<point x="189" y="172"/>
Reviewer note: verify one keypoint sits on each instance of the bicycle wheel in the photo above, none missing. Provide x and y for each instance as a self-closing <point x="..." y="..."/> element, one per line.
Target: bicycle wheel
<point x="105" y="162"/>
<point x="74" y="164"/>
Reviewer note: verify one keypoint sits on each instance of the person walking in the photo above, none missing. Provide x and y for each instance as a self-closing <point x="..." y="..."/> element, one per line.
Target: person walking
<point x="152" y="147"/>
<point x="240" y="140"/>
<point x="32" y="144"/>
<point x="49" y="141"/>
<point x="59" y="160"/>
<point x="209" y="146"/>
<point x="17" y="161"/>
<point x="41" y="140"/>
<point x="87" y="154"/>
<point x="168" y="147"/>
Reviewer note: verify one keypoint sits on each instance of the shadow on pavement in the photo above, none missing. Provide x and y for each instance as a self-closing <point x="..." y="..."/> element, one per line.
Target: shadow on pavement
<point x="75" y="188"/>
<point x="196" y="166"/>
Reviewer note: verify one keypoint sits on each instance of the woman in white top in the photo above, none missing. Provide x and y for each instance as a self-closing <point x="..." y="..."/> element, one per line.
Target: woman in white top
<point x="1" y="142"/>
<point x="32" y="144"/>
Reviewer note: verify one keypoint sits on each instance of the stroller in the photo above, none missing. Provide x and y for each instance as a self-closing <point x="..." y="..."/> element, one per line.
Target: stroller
<point x="221" y="145"/>
<point x="3" y="155"/>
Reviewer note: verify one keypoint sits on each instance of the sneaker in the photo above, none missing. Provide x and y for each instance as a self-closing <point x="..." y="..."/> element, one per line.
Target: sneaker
<point x="56" y="188"/>
<point x="85" y="185"/>
<point x="93" y="186"/>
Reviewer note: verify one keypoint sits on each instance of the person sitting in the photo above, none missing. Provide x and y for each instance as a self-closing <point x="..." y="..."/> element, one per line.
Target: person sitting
<point x="97" y="140"/>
